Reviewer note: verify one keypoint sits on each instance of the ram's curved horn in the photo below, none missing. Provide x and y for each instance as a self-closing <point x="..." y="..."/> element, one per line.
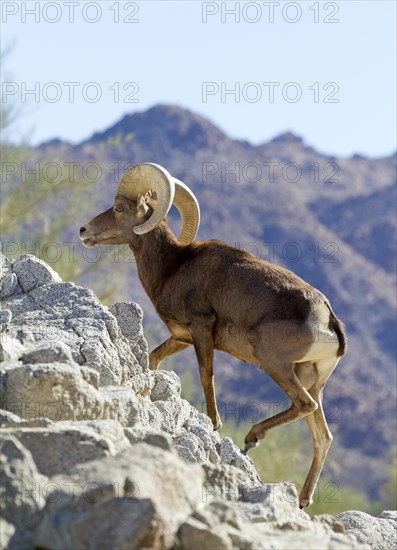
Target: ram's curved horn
<point x="167" y="191"/>
<point x="189" y="210"/>
<point x="149" y="177"/>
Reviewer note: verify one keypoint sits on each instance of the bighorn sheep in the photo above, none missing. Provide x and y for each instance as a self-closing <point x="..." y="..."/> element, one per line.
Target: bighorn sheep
<point x="214" y="296"/>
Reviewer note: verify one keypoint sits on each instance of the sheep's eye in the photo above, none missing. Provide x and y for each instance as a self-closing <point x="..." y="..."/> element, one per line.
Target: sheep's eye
<point x="119" y="208"/>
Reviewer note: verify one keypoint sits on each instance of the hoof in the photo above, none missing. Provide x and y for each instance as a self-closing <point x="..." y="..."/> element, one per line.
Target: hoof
<point x="153" y="366"/>
<point x="217" y="425"/>
<point x="249" y="446"/>
<point x="304" y="503"/>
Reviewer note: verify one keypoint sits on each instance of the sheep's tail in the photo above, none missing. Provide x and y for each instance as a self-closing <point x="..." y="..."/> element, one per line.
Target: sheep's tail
<point x="338" y="327"/>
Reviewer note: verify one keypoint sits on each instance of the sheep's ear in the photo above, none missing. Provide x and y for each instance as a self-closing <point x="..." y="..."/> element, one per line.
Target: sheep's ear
<point x="141" y="205"/>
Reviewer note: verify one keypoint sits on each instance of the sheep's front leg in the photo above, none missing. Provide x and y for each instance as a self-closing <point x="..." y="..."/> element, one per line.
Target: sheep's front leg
<point x="167" y="348"/>
<point x="204" y="347"/>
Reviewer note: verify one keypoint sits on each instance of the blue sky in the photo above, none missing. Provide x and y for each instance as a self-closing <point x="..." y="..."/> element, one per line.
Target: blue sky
<point x="333" y="83"/>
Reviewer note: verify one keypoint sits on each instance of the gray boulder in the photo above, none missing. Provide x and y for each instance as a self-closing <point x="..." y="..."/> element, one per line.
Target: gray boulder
<point x="165" y="385"/>
<point x="45" y="310"/>
<point x="43" y="352"/>
<point x="5" y="319"/>
<point x="129" y="408"/>
<point x="7" y="417"/>
<point x="135" y="500"/>
<point x="8" y="279"/>
<point x="57" y="391"/>
<point x="7" y="531"/>
<point x="21" y="495"/>
<point x="269" y="518"/>
<point x="230" y="454"/>
<point x="58" y="447"/>
<point x="32" y="273"/>
<point x="129" y="317"/>
<point x="379" y="533"/>
<point x="11" y="348"/>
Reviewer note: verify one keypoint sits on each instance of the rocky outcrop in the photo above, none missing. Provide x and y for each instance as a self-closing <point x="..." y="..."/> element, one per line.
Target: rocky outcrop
<point x="379" y="533"/>
<point x="21" y="497"/>
<point x="99" y="452"/>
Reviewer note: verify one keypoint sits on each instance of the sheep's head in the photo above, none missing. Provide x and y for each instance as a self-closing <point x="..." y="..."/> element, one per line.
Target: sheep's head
<point x="143" y="199"/>
<point x="116" y="225"/>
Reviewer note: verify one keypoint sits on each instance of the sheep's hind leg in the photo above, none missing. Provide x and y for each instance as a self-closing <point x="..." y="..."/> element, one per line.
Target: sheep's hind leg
<point x="302" y="404"/>
<point x="322" y="437"/>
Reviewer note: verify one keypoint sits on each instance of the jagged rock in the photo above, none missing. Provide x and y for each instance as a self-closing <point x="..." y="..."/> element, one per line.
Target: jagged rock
<point x="7" y="531"/>
<point x="43" y="352"/>
<point x="21" y="496"/>
<point x="159" y="440"/>
<point x="91" y="376"/>
<point x="8" y="279"/>
<point x="378" y="533"/>
<point x="33" y="273"/>
<point x="130" y="408"/>
<point x="19" y="474"/>
<point x="149" y="436"/>
<point x="137" y="500"/>
<point x="198" y="419"/>
<point x="129" y="317"/>
<point x="197" y="445"/>
<point x="10" y="348"/>
<point x="224" y="482"/>
<point x="115" y="523"/>
<point x="139" y="433"/>
<point x="46" y="310"/>
<point x="230" y="454"/>
<point x="166" y="384"/>
<point x="58" y="447"/>
<point x="331" y="521"/>
<point x="5" y="319"/>
<point x="95" y="339"/>
<point x="7" y="417"/>
<point x="174" y="413"/>
<point x="142" y="383"/>
<point x="57" y="391"/>
<point x="190" y="448"/>
<point x="209" y="438"/>
<point x="122" y="405"/>
<point x="36" y="422"/>
<point x="9" y="285"/>
<point x="197" y="535"/>
<point x="232" y="524"/>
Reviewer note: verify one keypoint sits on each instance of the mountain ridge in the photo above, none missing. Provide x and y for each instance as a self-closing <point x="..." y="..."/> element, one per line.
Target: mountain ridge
<point x="129" y="121"/>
